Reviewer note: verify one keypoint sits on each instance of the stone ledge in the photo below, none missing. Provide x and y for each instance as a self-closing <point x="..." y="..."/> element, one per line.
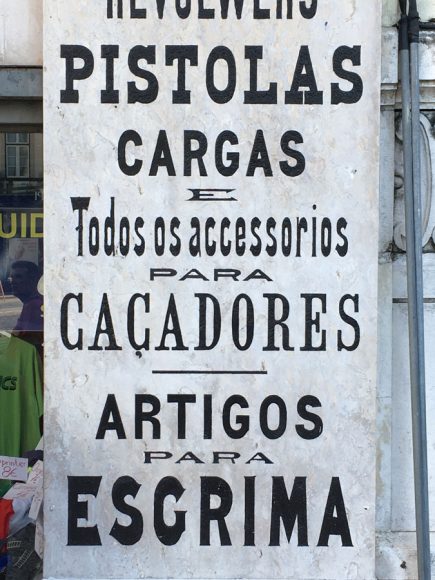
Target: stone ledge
<point x="390" y="93"/>
<point x="21" y="83"/>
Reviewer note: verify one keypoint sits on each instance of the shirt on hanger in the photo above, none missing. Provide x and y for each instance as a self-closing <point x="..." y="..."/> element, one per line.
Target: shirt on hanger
<point x="20" y="397"/>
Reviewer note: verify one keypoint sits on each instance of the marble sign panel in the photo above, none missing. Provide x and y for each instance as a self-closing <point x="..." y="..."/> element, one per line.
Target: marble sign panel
<point x="211" y="270"/>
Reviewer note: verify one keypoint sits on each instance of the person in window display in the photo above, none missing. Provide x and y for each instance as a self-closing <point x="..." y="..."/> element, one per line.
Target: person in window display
<point x="24" y="279"/>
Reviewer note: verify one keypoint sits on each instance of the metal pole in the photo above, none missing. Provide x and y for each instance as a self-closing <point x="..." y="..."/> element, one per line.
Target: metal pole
<point x="406" y="131"/>
<point x="411" y="152"/>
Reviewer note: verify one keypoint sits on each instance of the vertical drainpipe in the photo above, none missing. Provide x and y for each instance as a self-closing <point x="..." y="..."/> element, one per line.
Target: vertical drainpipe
<point x="410" y="83"/>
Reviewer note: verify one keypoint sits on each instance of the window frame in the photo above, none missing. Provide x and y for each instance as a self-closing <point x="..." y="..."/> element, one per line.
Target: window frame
<point x="13" y="142"/>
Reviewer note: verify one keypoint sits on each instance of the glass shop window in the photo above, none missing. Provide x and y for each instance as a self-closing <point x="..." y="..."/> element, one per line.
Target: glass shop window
<point x="21" y="296"/>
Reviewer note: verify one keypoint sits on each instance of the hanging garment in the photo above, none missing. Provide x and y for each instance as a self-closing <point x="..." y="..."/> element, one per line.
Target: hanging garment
<point x="23" y="562"/>
<point x="6" y="512"/>
<point x="20" y="398"/>
<point x="20" y="518"/>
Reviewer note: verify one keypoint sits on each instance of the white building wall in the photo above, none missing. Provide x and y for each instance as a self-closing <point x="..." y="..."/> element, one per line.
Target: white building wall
<point x="21" y="33"/>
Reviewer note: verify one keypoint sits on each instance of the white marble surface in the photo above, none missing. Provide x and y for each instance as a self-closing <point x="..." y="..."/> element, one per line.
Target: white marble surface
<point x="341" y="179"/>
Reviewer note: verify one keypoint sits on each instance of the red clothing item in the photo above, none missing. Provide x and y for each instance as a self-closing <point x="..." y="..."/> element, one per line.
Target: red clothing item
<point x="6" y="512"/>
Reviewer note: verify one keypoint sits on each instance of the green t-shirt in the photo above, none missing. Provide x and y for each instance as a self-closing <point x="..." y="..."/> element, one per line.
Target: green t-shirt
<point x="20" y="398"/>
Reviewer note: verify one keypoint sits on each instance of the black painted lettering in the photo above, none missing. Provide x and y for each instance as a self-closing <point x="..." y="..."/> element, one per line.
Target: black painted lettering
<point x="281" y="426"/>
<point x="342" y="248"/>
<point x="135" y="11"/>
<point x="109" y="52"/>
<point x="127" y="137"/>
<point x="140" y="416"/>
<point x="78" y="510"/>
<point x="149" y="456"/>
<point x="208" y="342"/>
<point x="80" y="204"/>
<point x="288" y="510"/>
<point x="196" y="154"/>
<point x="119" y="6"/>
<point x="304" y="78"/>
<point x="231" y="157"/>
<point x="298" y="160"/>
<point x="335" y="525"/>
<point x="238" y="322"/>
<point x="166" y="533"/>
<point x="105" y="326"/>
<point x="215" y="486"/>
<point x="64" y="321"/>
<point x="111" y="419"/>
<point x="225" y="455"/>
<point x="260" y="13"/>
<point x="221" y="96"/>
<point x="255" y="96"/>
<point x="274" y="321"/>
<point x="181" y="401"/>
<point x="241" y="420"/>
<point x="181" y="54"/>
<point x="354" y="94"/>
<point x="172" y="326"/>
<point x="162" y="156"/>
<point x="312" y="322"/>
<point x="189" y="456"/>
<point x="259" y="157"/>
<point x="72" y="52"/>
<point x="249" y="528"/>
<point x="183" y="8"/>
<point x="130" y="534"/>
<point x="204" y="12"/>
<point x="317" y="429"/>
<point x="341" y="345"/>
<point x="238" y="6"/>
<point x="131" y="317"/>
<point x="149" y="94"/>
<point x="308" y="8"/>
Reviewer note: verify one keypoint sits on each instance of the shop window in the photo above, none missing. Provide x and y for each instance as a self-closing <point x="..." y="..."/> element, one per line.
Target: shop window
<point x="21" y="298"/>
<point x="21" y="223"/>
